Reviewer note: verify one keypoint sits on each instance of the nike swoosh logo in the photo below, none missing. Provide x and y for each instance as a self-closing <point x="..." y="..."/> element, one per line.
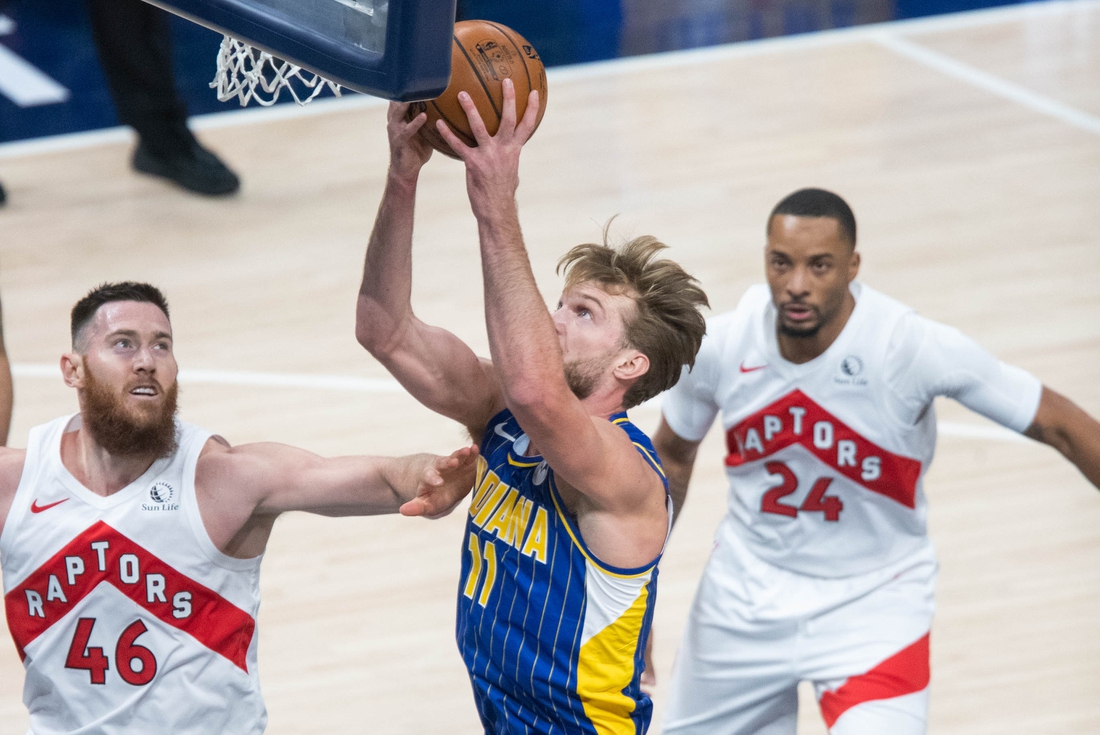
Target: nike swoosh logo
<point x="752" y="369"/>
<point x="499" y="429"/>
<point x="36" y="508"/>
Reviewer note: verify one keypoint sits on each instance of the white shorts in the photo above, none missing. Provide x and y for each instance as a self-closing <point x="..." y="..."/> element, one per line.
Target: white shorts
<point x="738" y="670"/>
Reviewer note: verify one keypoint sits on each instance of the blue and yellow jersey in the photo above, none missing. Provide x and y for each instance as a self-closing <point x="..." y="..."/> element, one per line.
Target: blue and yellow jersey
<point x="553" y="637"/>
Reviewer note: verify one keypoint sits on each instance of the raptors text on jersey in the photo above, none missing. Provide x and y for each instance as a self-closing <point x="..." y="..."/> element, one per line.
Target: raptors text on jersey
<point x="825" y="459"/>
<point x="126" y="616"/>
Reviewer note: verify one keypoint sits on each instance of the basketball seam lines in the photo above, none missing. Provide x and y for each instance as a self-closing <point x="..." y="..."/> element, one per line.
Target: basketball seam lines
<point x="518" y="52"/>
<point x="477" y="74"/>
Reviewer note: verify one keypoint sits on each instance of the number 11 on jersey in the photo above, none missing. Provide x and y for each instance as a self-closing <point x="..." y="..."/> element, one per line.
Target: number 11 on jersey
<point x="477" y="553"/>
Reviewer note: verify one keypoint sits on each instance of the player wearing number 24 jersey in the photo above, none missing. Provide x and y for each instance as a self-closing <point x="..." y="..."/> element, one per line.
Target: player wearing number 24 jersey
<point x="822" y="568"/>
<point x="131" y="543"/>
<point x="571" y="512"/>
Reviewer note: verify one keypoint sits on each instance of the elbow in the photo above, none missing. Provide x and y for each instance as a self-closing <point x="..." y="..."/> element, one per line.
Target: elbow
<point x="374" y="328"/>
<point x="528" y="398"/>
<point x="365" y="335"/>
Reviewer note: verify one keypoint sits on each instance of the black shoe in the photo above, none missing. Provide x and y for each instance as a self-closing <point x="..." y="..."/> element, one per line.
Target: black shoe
<point x="3" y="195"/>
<point x="194" y="168"/>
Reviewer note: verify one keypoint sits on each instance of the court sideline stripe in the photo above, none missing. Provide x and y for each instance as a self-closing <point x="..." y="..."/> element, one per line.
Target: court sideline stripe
<point x="353" y="384"/>
<point x="988" y="82"/>
<point x="612" y="67"/>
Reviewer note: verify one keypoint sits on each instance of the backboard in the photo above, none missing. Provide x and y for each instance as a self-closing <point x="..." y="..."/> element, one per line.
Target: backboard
<point x="396" y="49"/>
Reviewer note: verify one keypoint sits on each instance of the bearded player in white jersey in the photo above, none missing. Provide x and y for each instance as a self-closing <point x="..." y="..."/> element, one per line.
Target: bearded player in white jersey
<point x="131" y="542"/>
<point x="822" y="569"/>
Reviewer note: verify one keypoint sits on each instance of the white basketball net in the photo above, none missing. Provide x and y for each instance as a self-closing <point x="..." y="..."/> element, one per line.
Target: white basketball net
<point x="250" y="74"/>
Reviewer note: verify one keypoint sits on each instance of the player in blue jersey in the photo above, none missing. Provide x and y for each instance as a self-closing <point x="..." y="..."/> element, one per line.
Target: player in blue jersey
<point x="570" y="512"/>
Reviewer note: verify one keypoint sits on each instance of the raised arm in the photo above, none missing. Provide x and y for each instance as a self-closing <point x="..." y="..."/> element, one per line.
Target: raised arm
<point x="436" y="367"/>
<point x="1064" y="425"/>
<point x="588" y="453"/>
<point x="241" y="490"/>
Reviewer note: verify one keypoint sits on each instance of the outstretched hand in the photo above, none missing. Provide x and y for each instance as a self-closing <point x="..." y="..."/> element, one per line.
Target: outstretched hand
<point x="408" y="151"/>
<point x="492" y="167"/>
<point x="444" y="482"/>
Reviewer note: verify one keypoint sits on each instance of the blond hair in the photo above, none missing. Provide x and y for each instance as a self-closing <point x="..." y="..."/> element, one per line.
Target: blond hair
<point x="667" y="326"/>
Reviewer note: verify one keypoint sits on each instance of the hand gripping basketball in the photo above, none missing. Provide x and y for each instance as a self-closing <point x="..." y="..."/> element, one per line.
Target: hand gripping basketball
<point x="483" y="55"/>
<point x="492" y="167"/>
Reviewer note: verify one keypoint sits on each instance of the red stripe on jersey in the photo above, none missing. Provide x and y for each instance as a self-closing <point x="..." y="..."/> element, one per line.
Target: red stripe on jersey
<point x="797" y="419"/>
<point x="905" y="672"/>
<point x="46" y="596"/>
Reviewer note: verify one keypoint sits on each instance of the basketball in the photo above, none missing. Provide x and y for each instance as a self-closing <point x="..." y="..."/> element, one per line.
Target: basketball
<point x="483" y="55"/>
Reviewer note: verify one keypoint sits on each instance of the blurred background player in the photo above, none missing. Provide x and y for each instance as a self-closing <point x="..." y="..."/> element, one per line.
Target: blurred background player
<point x="571" y="511"/>
<point x="152" y="532"/>
<point x="134" y="43"/>
<point x="822" y="569"/>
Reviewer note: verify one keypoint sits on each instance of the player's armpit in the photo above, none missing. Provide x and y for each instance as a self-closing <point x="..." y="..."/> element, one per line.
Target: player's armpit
<point x="1064" y="425"/>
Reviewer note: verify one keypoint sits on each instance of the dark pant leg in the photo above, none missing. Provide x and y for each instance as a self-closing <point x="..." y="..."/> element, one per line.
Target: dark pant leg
<point x="135" y="48"/>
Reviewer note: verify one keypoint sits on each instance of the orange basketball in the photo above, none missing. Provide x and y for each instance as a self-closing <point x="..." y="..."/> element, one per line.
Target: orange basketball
<point x="483" y="55"/>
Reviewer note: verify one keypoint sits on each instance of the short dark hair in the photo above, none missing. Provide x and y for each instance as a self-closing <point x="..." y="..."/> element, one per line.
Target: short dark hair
<point x="818" y="203"/>
<point x="666" y="325"/>
<point x="85" y="309"/>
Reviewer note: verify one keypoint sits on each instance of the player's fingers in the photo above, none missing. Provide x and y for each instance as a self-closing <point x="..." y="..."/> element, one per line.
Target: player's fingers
<point x="508" y="111"/>
<point x="461" y="149"/>
<point x="414" y="507"/>
<point x="446" y="464"/>
<point x="465" y="454"/>
<point x="477" y="125"/>
<point x="526" y="127"/>
<point x="415" y="124"/>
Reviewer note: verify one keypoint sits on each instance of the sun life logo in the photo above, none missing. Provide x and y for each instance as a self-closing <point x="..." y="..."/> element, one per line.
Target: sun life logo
<point x="851" y="366"/>
<point x="161" y="492"/>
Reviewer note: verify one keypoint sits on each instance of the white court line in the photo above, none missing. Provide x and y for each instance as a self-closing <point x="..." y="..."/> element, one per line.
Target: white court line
<point x="614" y="67"/>
<point x="352" y="384"/>
<point x="989" y="82"/>
<point x="347" y="383"/>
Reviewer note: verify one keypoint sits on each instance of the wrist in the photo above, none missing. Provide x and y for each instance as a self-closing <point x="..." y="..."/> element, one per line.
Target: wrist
<point x="495" y="209"/>
<point x="402" y="177"/>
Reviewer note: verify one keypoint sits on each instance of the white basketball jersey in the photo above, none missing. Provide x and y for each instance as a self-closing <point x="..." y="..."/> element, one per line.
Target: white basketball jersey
<point x="127" y="617"/>
<point x="825" y="459"/>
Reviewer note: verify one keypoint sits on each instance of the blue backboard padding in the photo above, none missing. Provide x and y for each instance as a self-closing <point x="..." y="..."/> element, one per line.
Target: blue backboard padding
<point x="415" y="65"/>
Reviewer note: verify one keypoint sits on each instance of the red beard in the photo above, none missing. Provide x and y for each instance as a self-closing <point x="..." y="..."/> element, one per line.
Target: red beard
<point x="125" y="431"/>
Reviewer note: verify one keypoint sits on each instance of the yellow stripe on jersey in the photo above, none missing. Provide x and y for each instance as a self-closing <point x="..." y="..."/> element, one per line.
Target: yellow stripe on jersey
<point x="656" y="465"/>
<point x="605" y="666"/>
<point x="516" y="463"/>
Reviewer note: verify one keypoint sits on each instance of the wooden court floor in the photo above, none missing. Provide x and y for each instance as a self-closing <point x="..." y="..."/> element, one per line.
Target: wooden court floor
<point x="969" y="148"/>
